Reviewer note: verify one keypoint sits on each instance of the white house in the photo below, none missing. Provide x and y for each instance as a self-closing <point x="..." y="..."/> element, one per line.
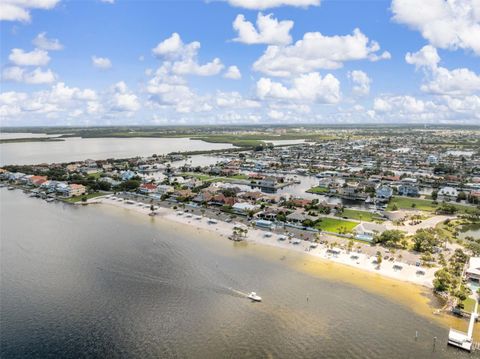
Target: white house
<point x="243" y="207"/>
<point x="447" y="194"/>
<point x="473" y="271"/>
<point x="366" y="231"/>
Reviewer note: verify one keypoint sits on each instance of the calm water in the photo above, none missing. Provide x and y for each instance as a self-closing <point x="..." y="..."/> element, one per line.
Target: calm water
<point x="471" y="230"/>
<point x="76" y="149"/>
<point x="100" y="282"/>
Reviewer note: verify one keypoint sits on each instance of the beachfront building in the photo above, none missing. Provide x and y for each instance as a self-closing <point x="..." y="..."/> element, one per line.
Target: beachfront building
<point x="244" y="208"/>
<point x="366" y="231"/>
<point x="261" y="223"/>
<point x="473" y="271"/>
<point x="147" y="188"/>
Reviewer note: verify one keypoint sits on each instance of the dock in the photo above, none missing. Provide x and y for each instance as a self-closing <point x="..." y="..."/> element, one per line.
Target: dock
<point x="464" y="340"/>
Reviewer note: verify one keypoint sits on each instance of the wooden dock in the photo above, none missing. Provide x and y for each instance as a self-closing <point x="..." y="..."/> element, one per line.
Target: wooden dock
<point x="464" y="340"/>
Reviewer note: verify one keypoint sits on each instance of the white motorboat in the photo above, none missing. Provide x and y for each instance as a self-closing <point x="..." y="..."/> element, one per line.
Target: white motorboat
<point x="253" y="296"/>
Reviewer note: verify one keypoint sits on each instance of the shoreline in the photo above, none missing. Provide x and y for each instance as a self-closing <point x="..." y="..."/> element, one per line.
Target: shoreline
<point x="407" y="273"/>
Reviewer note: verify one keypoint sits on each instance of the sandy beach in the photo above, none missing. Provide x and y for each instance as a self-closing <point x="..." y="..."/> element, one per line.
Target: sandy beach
<point x="395" y="270"/>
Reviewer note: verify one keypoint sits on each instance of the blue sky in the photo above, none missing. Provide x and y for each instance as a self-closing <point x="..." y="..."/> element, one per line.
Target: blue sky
<point x="95" y="63"/>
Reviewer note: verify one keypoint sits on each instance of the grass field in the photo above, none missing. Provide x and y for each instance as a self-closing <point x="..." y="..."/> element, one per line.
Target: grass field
<point x="420" y="204"/>
<point x="360" y="215"/>
<point x="469" y="304"/>
<point x="96" y="175"/>
<point x="87" y="196"/>
<point x="335" y="225"/>
<point x="208" y="178"/>
<point x="319" y="190"/>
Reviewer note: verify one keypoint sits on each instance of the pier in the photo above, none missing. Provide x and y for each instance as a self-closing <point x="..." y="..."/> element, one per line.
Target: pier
<point x="464" y="340"/>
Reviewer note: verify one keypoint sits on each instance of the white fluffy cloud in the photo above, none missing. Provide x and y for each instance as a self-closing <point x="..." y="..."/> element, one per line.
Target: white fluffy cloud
<point x="266" y="4"/>
<point x="182" y="58"/>
<point x="442" y="81"/>
<point x="102" y="63"/>
<point x="34" y="77"/>
<point x="426" y="57"/>
<point x="269" y="30"/>
<point x="36" y="57"/>
<point x="404" y="108"/>
<point x="447" y="24"/>
<point x="309" y="87"/>
<point x="361" y="82"/>
<point x="19" y="10"/>
<point x="42" y="42"/>
<point x="316" y="51"/>
<point x="233" y="73"/>
<point x="457" y="82"/>
<point x="123" y="99"/>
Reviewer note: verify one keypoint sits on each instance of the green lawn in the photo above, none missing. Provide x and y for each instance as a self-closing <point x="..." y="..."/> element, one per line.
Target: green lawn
<point x="360" y="215"/>
<point x="469" y="304"/>
<point x="318" y="190"/>
<point x="335" y="225"/>
<point x="240" y="176"/>
<point x="88" y="196"/>
<point x="420" y="204"/>
<point x="208" y="178"/>
<point x="406" y="203"/>
<point x="95" y="175"/>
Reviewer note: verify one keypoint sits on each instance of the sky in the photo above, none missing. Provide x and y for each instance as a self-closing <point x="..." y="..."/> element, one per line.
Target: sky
<point x="199" y="62"/>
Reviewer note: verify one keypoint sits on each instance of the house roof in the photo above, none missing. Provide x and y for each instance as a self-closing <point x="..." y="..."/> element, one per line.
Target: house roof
<point x="474" y="266"/>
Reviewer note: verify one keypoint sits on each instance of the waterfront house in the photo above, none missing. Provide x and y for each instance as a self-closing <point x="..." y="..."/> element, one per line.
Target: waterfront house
<point x="127" y="175"/>
<point x="261" y="223"/>
<point x="447" y="194"/>
<point x="473" y="270"/>
<point x="147" y="188"/>
<point x="165" y="189"/>
<point x="244" y="208"/>
<point x="77" y="189"/>
<point x="408" y="190"/>
<point x="36" y="180"/>
<point x="383" y="193"/>
<point x="366" y="231"/>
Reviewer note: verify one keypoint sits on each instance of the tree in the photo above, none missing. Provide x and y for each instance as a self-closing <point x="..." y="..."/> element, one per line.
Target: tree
<point x="390" y="237"/>
<point x="434" y="195"/>
<point x="442" y="280"/>
<point x="424" y="240"/>
<point x="350" y="245"/>
<point x="379" y="259"/>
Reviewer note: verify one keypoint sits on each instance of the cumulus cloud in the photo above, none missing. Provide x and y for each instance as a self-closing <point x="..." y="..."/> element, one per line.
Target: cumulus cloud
<point x="266" y="4"/>
<point x="446" y="24"/>
<point x="42" y="42"/>
<point x="269" y="30"/>
<point x="60" y="100"/>
<point x="361" y="82"/>
<point x="232" y="73"/>
<point x="309" y="87"/>
<point x="36" y="57"/>
<point x="457" y="82"/>
<point x="427" y="57"/>
<point x="19" y="10"/>
<point x="34" y="77"/>
<point x="102" y="63"/>
<point x="182" y="58"/>
<point x="405" y="108"/>
<point x="442" y="81"/>
<point x="126" y="102"/>
<point x="317" y="51"/>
